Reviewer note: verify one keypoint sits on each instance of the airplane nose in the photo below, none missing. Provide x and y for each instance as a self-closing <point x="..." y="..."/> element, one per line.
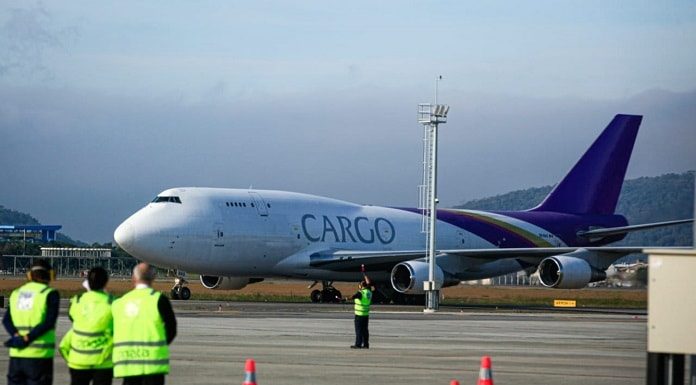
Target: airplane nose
<point x="124" y="235"/>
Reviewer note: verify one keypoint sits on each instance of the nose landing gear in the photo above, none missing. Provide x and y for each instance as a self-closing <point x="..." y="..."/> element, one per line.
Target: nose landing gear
<point x="328" y="293"/>
<point x="179" y="291"/>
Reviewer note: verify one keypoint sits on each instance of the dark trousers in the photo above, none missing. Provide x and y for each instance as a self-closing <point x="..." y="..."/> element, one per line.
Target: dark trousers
<point x="96" y="376"/>
<point x="362" y="335"/>
<point x="30" y="371"/>
<point x="153" y="379"/>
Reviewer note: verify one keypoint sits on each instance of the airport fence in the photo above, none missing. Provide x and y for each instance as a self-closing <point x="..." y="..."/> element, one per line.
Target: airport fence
<point x="68" y="266"/>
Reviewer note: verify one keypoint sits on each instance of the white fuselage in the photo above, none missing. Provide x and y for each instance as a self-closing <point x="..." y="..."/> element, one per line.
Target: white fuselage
<point x="230" y="232"/>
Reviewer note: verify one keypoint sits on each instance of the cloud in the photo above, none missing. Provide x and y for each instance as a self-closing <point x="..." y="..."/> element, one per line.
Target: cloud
<point x="25" y="38"/>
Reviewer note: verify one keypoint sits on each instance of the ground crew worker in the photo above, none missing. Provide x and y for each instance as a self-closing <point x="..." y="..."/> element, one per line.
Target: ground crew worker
<point x="87" y="346"/>
<point x="144" y="326"/>
<point x="362" y="301"/>
<point x="31" y="321"/>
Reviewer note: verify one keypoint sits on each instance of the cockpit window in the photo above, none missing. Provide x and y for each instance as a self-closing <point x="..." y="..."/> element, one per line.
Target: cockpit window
<point x="166" y="199"/>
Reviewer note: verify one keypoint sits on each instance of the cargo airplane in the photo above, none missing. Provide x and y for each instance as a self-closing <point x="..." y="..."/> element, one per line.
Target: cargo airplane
<point x="235" y="237"/>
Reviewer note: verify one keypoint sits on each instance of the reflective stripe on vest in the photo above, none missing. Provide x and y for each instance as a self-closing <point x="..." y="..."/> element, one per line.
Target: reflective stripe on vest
<point x="362" y="304"/>
<point x="28" y="310"/>
<point x="140" y="339"/>
<point x="91" y="341"/>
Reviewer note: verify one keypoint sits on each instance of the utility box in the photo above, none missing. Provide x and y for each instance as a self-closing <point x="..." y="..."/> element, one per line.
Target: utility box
<point x="672" y="301"/>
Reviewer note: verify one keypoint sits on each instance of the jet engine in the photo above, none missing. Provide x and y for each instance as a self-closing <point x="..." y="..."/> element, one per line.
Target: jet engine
<point x="566" y="272"/>
<point x="226" y="283"/>
<point x="408" y="277"/>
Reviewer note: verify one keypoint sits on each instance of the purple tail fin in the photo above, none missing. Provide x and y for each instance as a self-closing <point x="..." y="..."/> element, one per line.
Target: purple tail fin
<point x="593" y="185"/>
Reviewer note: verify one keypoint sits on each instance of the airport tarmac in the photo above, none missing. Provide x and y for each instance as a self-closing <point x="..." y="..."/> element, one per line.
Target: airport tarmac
<point x="309" y="344"/>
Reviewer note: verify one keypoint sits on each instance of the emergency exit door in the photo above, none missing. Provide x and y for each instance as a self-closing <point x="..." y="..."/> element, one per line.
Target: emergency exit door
<point x="259" y="203"/>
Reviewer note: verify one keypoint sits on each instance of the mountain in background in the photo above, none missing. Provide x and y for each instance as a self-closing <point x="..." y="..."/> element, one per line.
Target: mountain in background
<point x="642" y="200"/>
<point x="12" y="217"/>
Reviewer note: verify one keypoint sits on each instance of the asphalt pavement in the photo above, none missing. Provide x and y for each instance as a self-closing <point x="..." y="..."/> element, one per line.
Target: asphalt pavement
<point x="297" y="344"/>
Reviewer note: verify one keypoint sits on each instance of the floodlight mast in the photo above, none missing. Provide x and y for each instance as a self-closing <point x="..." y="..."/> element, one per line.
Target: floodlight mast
<point x="430" y="116"/>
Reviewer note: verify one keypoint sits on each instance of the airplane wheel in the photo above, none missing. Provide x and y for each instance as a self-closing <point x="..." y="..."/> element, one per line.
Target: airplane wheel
<point x="185" y="293"/>
<point x="175" y="293"/>
<point x="336" y="296"/>
<point x="315" y="296"/>
<point x="327" y="295"/>
<point x="330" y="295"/>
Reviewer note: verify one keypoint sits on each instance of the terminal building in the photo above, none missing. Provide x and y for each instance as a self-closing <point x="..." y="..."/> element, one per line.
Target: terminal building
<point x="45" y="233"/>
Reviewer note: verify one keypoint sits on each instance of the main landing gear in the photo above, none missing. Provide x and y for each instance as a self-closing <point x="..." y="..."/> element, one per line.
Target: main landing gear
<point x="179" y="291"/>
<point x="328" y="293"/>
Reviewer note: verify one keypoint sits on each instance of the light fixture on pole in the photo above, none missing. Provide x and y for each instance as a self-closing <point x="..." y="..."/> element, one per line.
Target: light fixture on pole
<point x="430" y="116"/>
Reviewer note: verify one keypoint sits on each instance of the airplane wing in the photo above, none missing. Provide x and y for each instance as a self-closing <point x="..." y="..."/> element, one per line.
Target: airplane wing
<point x="546" y="251"/>
<point x="600" y="233"/>
<point x="341" y="260"/>
<point x="345" y="260"/>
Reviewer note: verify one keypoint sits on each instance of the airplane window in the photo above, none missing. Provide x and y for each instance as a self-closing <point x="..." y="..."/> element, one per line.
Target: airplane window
<point x="252" y="204"/>
<point x="244" y="204"/>
<point x="160" y="199"/>
<point x="269" y="205"/>
<point x="227" y="204"/>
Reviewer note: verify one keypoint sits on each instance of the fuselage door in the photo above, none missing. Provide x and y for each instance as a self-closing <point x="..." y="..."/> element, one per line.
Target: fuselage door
<point x="219" y="236"/>
<point x="259" y="203"/>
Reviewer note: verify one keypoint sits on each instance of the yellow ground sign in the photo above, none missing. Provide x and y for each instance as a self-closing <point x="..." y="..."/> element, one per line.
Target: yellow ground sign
<point x="564" y="303"/>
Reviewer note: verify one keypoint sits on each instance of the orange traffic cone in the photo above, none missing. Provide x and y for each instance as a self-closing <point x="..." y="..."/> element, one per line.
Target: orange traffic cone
<point x="485" y="374"/>
<point x="454" y="382"/>
<point x="250" y="372"/>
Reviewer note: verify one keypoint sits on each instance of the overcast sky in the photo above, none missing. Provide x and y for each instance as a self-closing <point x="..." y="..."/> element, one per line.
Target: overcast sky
<point x="103" y="105"/>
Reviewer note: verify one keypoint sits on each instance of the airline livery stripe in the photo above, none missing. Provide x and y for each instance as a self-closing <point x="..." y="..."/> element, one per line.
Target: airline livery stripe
<point x="495" y="231"/>
<point x="536" y="240"/>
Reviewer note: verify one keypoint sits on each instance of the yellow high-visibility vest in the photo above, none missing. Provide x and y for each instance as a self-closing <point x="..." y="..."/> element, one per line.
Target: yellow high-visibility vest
<point x="89" y="343"/>
<point x="28" y="310"/>
<point x="140" y="339"/>
<point x="362" y="304"/>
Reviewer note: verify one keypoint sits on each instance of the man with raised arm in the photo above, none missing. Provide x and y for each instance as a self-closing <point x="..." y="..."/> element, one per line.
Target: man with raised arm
<point x="362" y="300"/>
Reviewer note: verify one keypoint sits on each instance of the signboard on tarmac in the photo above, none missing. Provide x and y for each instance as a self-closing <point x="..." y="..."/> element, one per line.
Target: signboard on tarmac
<point x="564" y="303"/>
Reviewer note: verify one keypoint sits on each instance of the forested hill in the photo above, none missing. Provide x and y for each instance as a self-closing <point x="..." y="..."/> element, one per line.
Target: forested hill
<point x="642" y="200"/>
<point x="12" y="217"/>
